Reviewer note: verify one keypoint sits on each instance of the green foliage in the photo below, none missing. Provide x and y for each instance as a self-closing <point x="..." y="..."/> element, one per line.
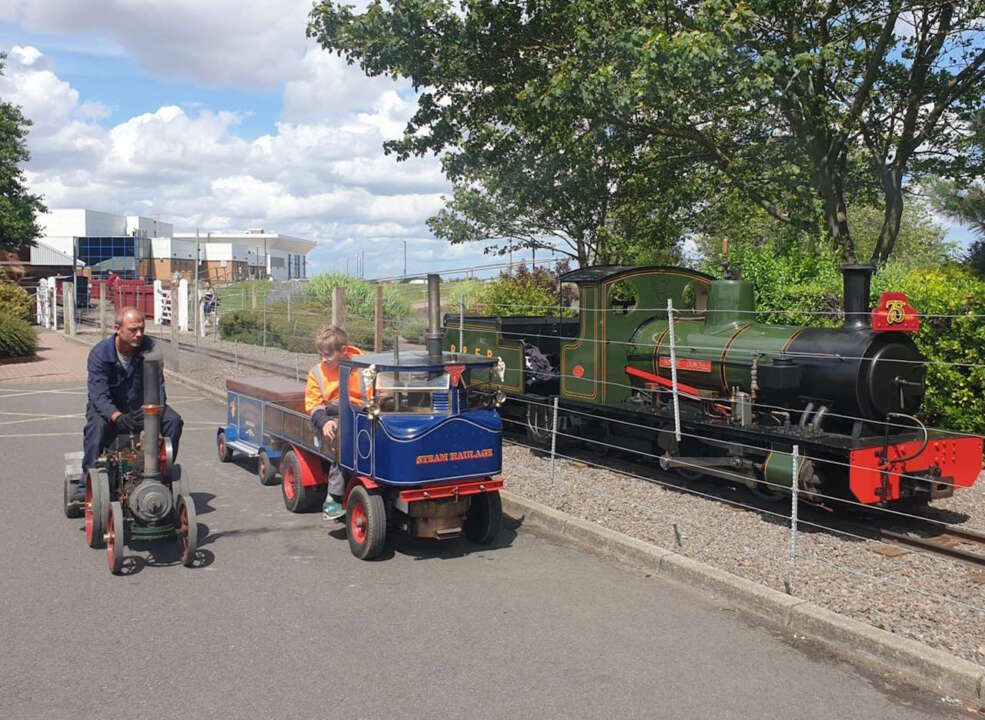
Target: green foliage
<point x="17" y="338"/>
<point x="18" y="207"/>
<point x="804" y="289"/>
<point x="522" y="293"/>
<point x="15" y="301"/>
<point x="954" y="346"/>
<point x="296" y="334"/>
<point x="360" y="296"/>
<point x="975" y="258"/>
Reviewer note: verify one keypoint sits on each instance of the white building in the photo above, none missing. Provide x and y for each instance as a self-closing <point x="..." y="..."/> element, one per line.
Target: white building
<point x="257" y="252"/>
<point x="137" y="246"/>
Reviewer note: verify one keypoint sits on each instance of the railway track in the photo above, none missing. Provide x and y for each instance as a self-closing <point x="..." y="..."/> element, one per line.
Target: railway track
<point x="945" y="541"/>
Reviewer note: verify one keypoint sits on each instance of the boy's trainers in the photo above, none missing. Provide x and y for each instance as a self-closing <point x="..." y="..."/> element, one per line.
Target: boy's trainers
<point x="332" y="510"/>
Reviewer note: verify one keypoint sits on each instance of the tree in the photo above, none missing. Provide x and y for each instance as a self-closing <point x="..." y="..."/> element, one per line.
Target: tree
<point x="802" y="107"/>
<point x="793" y="102"/>
<point x="524" y="175"/>
<point x="18" y="207"/>
<point x="966" y="202"/>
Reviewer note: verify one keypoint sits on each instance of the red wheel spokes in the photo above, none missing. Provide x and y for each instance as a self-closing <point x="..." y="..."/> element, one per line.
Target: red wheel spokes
<point x="89" y="519"/>
<point x="289" y="482"/>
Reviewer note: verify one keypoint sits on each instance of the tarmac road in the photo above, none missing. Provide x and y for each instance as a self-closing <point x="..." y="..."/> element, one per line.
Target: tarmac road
<point x="280" y="620"/>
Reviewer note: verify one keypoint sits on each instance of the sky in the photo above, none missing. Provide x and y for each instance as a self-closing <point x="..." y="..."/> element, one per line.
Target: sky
<point x="222" y="116"/>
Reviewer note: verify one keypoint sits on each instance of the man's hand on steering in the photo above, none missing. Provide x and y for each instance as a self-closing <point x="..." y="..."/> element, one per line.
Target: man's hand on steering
<point x="131" y="422"/>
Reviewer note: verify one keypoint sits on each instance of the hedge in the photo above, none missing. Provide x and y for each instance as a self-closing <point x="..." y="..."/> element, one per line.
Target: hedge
<point x="17" y="338"/>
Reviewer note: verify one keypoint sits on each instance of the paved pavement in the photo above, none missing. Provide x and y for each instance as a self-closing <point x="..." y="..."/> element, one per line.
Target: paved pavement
<point x="58" y="361"/>
<point x="279" y="620"/>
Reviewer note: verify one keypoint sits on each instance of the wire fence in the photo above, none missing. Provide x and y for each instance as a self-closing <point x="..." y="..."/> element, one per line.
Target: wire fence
<point x="270" y="329"/>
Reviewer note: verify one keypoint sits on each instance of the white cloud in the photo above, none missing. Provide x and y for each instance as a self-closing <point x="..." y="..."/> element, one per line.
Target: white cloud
<point x="322" y="178"/>
<point x="216" y="43"/>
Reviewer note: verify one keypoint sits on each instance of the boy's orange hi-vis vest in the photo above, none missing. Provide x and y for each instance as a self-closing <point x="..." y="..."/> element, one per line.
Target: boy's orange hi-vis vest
<point x="322" y="387"/>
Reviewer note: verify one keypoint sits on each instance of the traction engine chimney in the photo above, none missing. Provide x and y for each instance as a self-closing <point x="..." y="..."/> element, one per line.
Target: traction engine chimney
<point x="434" y="334"/>
<point x="153" y="408"/>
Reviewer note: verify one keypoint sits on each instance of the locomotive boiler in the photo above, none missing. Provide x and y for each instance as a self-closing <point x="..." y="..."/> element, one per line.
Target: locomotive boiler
<point x="747" y="392"/>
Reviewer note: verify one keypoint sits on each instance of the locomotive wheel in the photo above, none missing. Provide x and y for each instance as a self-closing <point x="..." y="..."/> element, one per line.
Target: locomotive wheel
<point x="96" y="506"/>
<point x="225" y="452"/>
<point x="365" y="523"/>
<point x="115" y="537"/>
<point x="266" y="470"/>
<point x="539" y="418"/>
<point x="485" y="518"/>
<point x="73" y="508"/>
<point x="299" y="498"/>
<point x="187" y="530"/>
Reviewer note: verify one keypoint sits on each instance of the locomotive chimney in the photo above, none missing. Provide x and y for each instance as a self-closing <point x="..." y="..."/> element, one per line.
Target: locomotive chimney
<point x="434" y="335"/>
<point x="153" y="367"/>
<point x="857" y="280"/>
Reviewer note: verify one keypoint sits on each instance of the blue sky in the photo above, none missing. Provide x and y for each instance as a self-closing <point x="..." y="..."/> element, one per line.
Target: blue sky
<point x="220" y="116"/>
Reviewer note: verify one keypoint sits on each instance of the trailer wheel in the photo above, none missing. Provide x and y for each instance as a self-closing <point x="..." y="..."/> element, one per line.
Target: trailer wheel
<point x="266" y="469"/>
<point x="299" y="498"/>
<point x="225" y="452"/>
<point x="96" y="506"/>
<point x="484" y="519"/>
<point x="115" y="537"/>
<point x="187" y="530"/>
<point x="365" y="523"/>
<point x="73" y="508"/>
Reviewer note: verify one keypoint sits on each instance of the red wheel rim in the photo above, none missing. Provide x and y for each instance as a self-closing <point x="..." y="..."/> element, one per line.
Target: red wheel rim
<point x="222" y="446"/>
<point x="183" y="532"/>
<point x="89" y="519"/>
<point x="357" y="523"/>
<point x="289" y="489"/>
<point x="110" y="537"/>
<point x="263" y="468"/>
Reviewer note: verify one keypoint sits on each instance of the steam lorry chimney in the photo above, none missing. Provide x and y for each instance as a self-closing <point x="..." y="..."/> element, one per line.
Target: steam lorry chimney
<point x="857" y="279"/>
<point x="434" y="334"/>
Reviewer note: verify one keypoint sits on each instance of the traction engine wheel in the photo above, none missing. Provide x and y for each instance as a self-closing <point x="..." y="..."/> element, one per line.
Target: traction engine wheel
<point x="187" y="530"/>
<point x="115" y="537"/>
<point x="484" y="519"/>
<point x="365" y="523"/>
<point x="225" y="452"/>
<point x="96" y="506"/>
<point x="299" y="498"/>
<point x="266" y="469"/>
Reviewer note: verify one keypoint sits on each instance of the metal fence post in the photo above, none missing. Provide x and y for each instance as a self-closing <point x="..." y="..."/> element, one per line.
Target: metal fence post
<point x="673" y="369"/>
<point x="793" y="505"/>
<point x="236" y="355"/>
<point x="378" y="320"/>
<point x="297" y="367"/>
<point x="554" y="439"/>
<point x="461" y="324"/>
<point x="102" y="310"/>
<point x="242" y="299"/>
<point x="288" y="305"/>
<point x="265" y="322"/>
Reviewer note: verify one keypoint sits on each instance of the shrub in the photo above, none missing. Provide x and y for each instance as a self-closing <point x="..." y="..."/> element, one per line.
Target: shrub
<point x="360" y="296"/>
<point x="522" y="293"/>
<point x="294" y="335"/>
<point x="15" y="301"/>
<point x="953" y="342"/>
<point x="17" y="338"/>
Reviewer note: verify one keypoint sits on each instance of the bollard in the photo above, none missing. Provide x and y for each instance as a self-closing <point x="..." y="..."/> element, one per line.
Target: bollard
<point x="554" y="439"/>
<point x="236" y="355"/>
